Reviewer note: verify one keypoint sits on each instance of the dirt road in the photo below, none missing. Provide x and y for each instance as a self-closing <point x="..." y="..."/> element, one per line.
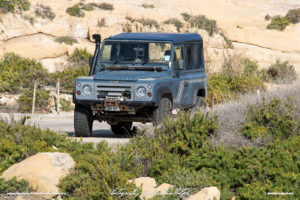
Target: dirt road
<point x="63" y="123"/>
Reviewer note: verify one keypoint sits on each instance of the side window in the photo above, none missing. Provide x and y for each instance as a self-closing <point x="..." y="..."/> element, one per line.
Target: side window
<point x="178" y="55"/>
<point x="188" y="57"/>
<point x="193" y="54"/>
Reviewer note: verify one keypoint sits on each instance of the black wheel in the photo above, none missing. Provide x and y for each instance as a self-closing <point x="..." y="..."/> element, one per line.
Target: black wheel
<point x="164" y="109"/>
<point x="83" y="121"/>
<point x="122" y="128"/>
<point x="200" y="103"/>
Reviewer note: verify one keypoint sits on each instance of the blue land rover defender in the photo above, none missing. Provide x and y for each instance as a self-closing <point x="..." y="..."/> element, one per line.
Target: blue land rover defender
<point x="139" y="77"/>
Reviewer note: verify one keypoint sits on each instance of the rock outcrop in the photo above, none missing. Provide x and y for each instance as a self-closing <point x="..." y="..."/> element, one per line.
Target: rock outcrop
<point x="241" y="21"/>
<point x="148" y="186"/>
<point x="208" y="193"/>
<point x="42" y="171"/>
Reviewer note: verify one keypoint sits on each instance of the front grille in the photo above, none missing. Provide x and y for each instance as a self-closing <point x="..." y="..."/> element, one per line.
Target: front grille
<point x="104" y="92"/>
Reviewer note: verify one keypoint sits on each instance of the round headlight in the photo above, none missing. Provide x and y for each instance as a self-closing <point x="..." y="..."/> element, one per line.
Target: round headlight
<point x="87" y="89"/>
<point x="141" y="91"/>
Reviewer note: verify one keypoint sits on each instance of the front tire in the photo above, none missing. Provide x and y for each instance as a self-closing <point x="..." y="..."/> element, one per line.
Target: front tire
<point x="83" y="121"/>
<point x="122" y="128"/>
<point x="164" y="110"/>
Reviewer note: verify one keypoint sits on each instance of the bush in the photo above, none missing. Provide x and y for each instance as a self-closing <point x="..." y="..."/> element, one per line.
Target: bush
<point x="14" y="185"/>
<point x="239" y="76"/>
<point x="279" y="23"/>
<point x="176" y="22"/>
<point x="271" y="121"/>
<point x="201" y="22"/>
<point x="106" y="6"/>
<point x="294" y="15"/>
<point x="94" y="176"/>
<point x="18" y="73"/>
<point x="280" y="72"/>
<point x="75" y="11"/>
<point x="101" y="22"/>
<point x="41" y="101"/>
<point x="144" y="22"/>
<point x="66" y="39"/>
<point x="146" y="6"/>
<point x="44" y="12"/>
<point x="15" y="6"/>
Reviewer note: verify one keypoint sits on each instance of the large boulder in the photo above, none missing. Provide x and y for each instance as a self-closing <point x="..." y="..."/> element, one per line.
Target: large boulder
<point x="148" y="186"/>
<point x="42" y="171"/>
<point x="208" y="193"/>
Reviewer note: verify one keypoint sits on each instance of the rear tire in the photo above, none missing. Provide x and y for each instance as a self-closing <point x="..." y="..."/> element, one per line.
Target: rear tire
<point x="122" y="128"/>
<point x="164" y="110"/>
<point x="83" y="121"/>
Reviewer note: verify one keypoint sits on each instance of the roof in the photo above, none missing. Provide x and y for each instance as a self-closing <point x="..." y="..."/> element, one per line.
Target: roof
<point x="172" y="37"/>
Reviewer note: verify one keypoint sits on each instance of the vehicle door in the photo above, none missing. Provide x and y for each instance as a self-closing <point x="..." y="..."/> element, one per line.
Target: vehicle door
<point x="193" y="72"/>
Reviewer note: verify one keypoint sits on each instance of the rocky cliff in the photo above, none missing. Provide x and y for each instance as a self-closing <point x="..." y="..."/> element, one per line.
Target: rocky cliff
<point x="34" y="33"/>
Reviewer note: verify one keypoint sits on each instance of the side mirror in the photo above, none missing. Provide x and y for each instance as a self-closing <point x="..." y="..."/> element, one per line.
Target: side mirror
<point x="97" y="38"/>
<point x="180" y="64"/>
<point x="91" y="61"/>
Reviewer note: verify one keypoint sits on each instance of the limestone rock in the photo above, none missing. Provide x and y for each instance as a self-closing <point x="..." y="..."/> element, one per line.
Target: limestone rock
<point x="37" y="46"/>
<point x="163" y="188"/>
<point x="147" y="184"/>
<point x="208" y="193"/>
<point x="42" y="171"/>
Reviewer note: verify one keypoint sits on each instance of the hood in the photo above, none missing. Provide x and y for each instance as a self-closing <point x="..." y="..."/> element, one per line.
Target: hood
<point x="128" y="75"/>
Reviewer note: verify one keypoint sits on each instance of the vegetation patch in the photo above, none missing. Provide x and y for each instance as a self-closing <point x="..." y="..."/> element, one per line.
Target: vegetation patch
<point x="148" y="6"/>
<point x="15" y="5"/>
<point x="144" y="21"/>
<point x="279" y="72"/>
<point x="75" y="11"/>
<point x="280" y="23"/>
<point x="14" y="185"/>
<point x="176" y="22"/>
<point x="106" y="6"/>
<point x="44" y="12"/>
<point x="239" y="76"/>
<point x="66" y="39"/>
<point x="201" y="22"/>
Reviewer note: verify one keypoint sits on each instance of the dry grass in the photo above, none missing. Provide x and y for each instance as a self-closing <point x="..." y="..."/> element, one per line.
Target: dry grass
<point x="231" y="115"/>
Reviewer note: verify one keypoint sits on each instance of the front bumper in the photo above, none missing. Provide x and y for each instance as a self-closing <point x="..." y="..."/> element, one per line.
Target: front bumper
<point x="129" y="103"/>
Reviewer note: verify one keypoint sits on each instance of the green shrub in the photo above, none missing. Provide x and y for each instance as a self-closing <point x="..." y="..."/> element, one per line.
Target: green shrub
<point x="66" y="39"/>
<point x="279" y="23"/>
<point x="14" y="185"/>
<point x="75" y="11"/>
<point x="280" y="72"/>
<point x="239" y="76"/>
<point x="106" y="6"/>
<point x="88" y="7"/>
<point x="41" y="101"/>
<point x="80" y="57"/>
<point x="19" y="73"/>
<point x="66" y="105"/>
<point x="294" y="15"/>
<point x="267" y="17"/>
<point x="146" y="6"/>
<point x="271" y="121"/>
<point x="15" y="5"/>
<point x="44" y="12"/>
<point x="94" y="176"/>
<point x="176" y="22"/>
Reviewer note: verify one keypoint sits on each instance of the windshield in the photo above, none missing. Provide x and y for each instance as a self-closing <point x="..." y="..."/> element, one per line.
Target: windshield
<point x="136" y="52"/>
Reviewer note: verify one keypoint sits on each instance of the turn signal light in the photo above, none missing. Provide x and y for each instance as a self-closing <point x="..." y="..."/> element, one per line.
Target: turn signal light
<point x="149" y="94"/>
<point x="78" y="92"/>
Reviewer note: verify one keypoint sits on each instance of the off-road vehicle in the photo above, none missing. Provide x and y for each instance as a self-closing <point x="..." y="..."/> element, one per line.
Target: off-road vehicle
<point x="139" y="77"/>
